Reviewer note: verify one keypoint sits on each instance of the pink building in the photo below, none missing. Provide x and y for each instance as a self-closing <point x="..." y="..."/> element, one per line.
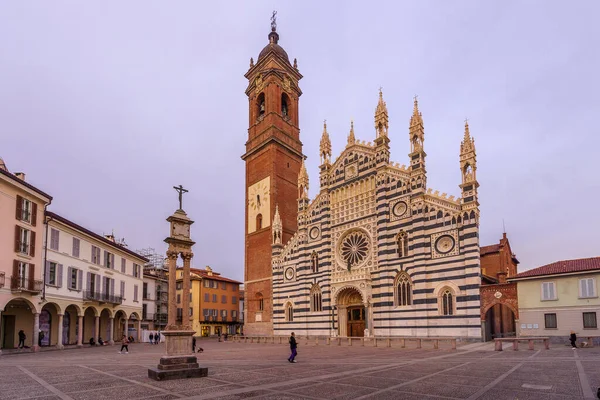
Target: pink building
<point x="21" y="268"/>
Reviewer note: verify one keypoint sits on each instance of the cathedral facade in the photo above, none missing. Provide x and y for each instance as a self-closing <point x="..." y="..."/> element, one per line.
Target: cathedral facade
<point x="376" y="252"/>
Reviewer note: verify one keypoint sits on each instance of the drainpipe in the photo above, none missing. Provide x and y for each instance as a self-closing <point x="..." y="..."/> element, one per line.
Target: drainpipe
<point x="45" y="251"/>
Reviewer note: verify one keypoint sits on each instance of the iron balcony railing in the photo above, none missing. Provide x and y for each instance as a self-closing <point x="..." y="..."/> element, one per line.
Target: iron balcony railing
<point x="90" y="295"/>
<point x="148" y="316"/>
<point x="161" y="317"/>
<point x="2" y="278"/>
<point x="19" y="283"/>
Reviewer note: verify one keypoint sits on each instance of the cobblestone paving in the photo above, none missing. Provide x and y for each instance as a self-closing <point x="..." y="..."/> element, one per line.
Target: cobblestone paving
<point x="261" y="371"/>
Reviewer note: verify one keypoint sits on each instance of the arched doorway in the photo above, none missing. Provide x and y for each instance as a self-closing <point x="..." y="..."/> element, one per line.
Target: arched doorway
<point x="105" y="332"/>
<point x="17" y="316"/>
<point x="351" y="313"/>
<point x="120" y="325"/>
<point x="49" y="325"/>
<point x="89" y="324"/>
<point x="70" y="325"/>
<point x="500" y="322"/>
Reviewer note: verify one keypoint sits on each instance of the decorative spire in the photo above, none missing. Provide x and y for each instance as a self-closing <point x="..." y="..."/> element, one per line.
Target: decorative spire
<point x="277" y="226"/>
<point x="351" y="137"/>
<point x="303" y="181"/>
<point x="381" y="116"/>
<point x="273" y="36"/>
<point x="468" y="143"/>
<point x="416" y="128"/>
<point x="325" y="146"/>
<point x="251" y="62"/>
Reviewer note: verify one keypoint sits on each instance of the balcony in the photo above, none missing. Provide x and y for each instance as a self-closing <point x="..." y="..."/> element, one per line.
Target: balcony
<point x="2" y="277"/>
<point x="146" y="296"/>
<point x="147" y="316"/>
<point x="90" y="295"/>
<point x="161" y="318"/>
<point x="21" y="284"/>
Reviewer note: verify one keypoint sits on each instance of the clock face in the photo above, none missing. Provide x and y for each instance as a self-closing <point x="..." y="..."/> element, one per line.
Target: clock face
<point x="259" y="205"/>
<point x="289" y="274"/>
<point x="258" y="195"/>
<point x="399" y="209"/>
<point x="444" y="244"/>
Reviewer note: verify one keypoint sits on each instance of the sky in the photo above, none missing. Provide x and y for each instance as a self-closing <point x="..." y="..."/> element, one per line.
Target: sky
<point x="106" y="105"/>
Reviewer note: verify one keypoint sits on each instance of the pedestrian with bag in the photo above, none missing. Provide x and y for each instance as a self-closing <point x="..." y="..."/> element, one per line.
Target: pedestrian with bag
<point x="124" y="345"/>
<point x="293" y="348"/>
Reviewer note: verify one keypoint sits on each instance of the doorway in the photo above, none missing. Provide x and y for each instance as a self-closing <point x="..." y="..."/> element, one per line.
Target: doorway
<point x="356" y="321"/>
<point x="500" y="322"/>
<point x="8" y="325"/>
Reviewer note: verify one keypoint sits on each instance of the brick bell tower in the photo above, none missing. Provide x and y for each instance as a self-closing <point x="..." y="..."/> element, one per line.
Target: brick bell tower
<point x="273" y="158"/>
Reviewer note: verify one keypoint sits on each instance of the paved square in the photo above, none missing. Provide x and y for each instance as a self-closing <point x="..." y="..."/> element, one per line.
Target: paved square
<point x="261" y="371"/>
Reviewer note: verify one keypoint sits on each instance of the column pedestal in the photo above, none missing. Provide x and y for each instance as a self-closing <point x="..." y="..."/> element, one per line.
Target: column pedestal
<point x="179" y="362"/>
<point x="59" y="342"/>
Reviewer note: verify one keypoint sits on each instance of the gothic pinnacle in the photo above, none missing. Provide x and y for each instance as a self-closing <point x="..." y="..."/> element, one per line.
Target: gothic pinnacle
<point x="325" y="146"/>
<point x="351" y="137"/>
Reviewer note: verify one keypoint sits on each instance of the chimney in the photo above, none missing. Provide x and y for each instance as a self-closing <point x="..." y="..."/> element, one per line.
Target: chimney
<point x="20" y="175"/>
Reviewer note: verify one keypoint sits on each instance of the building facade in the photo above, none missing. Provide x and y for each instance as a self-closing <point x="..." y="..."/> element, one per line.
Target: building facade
<point x="213" y="302"/>
<point x="93" y="286"/>
<point x="22" y="208"/>
<point x="560" y="297"/>
<point x="155" y="298"/>
<point x="376" y="252"/>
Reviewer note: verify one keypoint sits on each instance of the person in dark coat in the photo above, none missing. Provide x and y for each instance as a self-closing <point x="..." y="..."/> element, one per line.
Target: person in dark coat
<point x="293" y="347"/>
<point x="573" y="339"/>
<point x="151" y="338"/>
<point x="22" y="337"/>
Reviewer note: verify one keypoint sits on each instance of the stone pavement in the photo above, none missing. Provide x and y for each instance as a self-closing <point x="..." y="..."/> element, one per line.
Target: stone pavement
<point x="261" y="371"/>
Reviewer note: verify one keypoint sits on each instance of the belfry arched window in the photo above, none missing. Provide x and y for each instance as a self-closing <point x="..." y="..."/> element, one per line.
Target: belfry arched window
<point x="447" y="302"/>
<point x="258" y="221"/>
<point x="260" y="104"/>
<point x="316" y="298"/>
<point x="314" y="262"/>
<point x="285" y="105"/>
<point x="403" y="290"/>
<point x="261" y="302"/>
<point x="402" y="243"/>
<point x="289" y="312"/>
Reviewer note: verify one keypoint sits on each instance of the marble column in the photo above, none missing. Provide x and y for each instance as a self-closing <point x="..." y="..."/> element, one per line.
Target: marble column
<point x="59" y="342"/>
<point x="80" y="331"/>
<point x="111" y="330"/>
<point x="185" y="301"/>
<point x="96" y="328"/>
<point x="172" y="313"/>
<point x="36" y="332"/>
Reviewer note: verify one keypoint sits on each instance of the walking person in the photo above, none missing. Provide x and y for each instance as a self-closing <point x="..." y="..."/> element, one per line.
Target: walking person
<point x="157" y="338"/>
<point x="22" y="337"/>
<point x="151" y="338"/>
<point x="573" y="339"/>
<point x="124" y="345"/>
<point x="293" y="347"/>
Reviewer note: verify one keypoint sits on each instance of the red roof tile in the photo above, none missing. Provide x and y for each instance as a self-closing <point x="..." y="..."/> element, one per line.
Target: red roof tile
<point x="494" y="248"/>
<point x="215" y="276"/>
<point x="562" y="267"/>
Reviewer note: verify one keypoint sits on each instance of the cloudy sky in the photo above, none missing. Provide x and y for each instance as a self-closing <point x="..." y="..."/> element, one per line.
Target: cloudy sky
<point x="107" y="105"/>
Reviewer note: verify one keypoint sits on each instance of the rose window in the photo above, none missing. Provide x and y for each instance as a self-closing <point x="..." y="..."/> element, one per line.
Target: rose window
<point x="354" y="248"/>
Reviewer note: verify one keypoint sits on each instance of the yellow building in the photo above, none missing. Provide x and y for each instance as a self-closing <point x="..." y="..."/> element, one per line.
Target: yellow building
<point x="213" y="307"/>
<point x="559" y="297"/>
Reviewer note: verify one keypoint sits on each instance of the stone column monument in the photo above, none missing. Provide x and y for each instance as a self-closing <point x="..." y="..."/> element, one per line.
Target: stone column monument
<point x="179" y="361"/>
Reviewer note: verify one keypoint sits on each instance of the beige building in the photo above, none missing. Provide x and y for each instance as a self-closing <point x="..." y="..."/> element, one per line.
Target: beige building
<point x="21" y="235"/>
<point x="559" y="297"/>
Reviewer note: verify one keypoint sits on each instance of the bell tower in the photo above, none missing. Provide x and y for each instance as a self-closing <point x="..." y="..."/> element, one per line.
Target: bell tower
<point x="273" y="160"/>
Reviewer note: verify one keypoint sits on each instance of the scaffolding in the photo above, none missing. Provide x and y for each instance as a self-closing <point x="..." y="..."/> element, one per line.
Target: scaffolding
<point x="156" y="260"/>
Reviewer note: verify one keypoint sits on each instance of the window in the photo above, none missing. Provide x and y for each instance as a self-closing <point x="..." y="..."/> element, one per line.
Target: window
<point x="178" y="298"/>
<point x="284" y="105"/>
<point x="259" y="221"/>
<point x="95" y="255"/>
<point x="403" y="289"/>
<point x="589" y="320"/>
<point x="123" y="289"/>
<point x="24" y="241"/>
<point x="206" y="283"/>
<point x="54" y="274"/>
<point x="314" y="258"/>
<point x="123" y="265"/>
<point x="223" y="285"/>
<point x="223" y="313"/>
<point x="207" y="297"/>
<point x="206" y="312"/>
<point x="548" y="291"/>
<point x="447" y="302"/>
<point x="135" y="292"/>
<point x="179" y="285"/>
<point x="261" y="104"/>
<point x="26" y="210"/>
<point x="74" y="278"/>
<point x="587" y="288"/>
<point x="550" y="321"/>
<point x="224" y="299"/>
<point x="145" y="291"/>
<point x="316" y="300"/>
<point x="214" y="298"/>
<point x="289" y="312"/>
<point x="144" y="311"/>
<point x="261" y="303"/>
<point x="191" y="311"/>
<point x="190" y="297"/>
<point x="234" y="313"/>
<point x="233" y="287"/>
<point x="76" y="244"/>
<point x="402" y="243"/>
<point x="233" y="300"/>
<point x="136" y="271"/>
<point x="54" y="239"/>
<point x="215" y="312"/>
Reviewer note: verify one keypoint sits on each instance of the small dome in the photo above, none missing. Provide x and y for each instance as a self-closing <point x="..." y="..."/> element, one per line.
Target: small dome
<point x="274" y="47"/>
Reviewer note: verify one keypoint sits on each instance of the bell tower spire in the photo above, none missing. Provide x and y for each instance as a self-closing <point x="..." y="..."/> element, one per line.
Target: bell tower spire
<point x="416" y="133"/>
<point x="468" y="169"/>
<point x="381" y="116"/>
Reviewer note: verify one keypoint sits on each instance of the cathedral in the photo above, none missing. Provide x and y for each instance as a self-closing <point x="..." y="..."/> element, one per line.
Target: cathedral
<point x="376" y="252"/>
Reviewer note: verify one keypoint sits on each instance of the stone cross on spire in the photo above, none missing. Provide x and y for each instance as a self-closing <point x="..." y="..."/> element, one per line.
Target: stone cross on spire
<point x="181" y="191"/>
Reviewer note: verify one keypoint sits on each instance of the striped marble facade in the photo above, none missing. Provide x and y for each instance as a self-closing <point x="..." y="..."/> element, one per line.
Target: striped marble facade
<point x="376" y="240"/>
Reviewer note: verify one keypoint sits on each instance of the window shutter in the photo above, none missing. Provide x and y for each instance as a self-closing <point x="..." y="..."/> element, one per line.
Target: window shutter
<point x="47" y="274"/>
<point x="105" y="258"/>
<point x="15" y="268"/>
<point x="19" y="213"/>
<point x="123" y="265"/>
<point x="33" y="214"/>
<point x="32" y="245"/>
<point x="31" y="274"/>
<point x="89" y="282"/>
<point x="135" y="293"/>
<point x="70" y="277"/>
<point x="591" y="291"/>
<point x="112" y="261"/>
<point x="17" y="238"/>
<point x="79" y="279"/>
<point x="97" y="283"/>
<point x="59" y="275"/>
<point x="122" y="289"/>
<point x="56" y="238"/>
<point x="112" y="287"/>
